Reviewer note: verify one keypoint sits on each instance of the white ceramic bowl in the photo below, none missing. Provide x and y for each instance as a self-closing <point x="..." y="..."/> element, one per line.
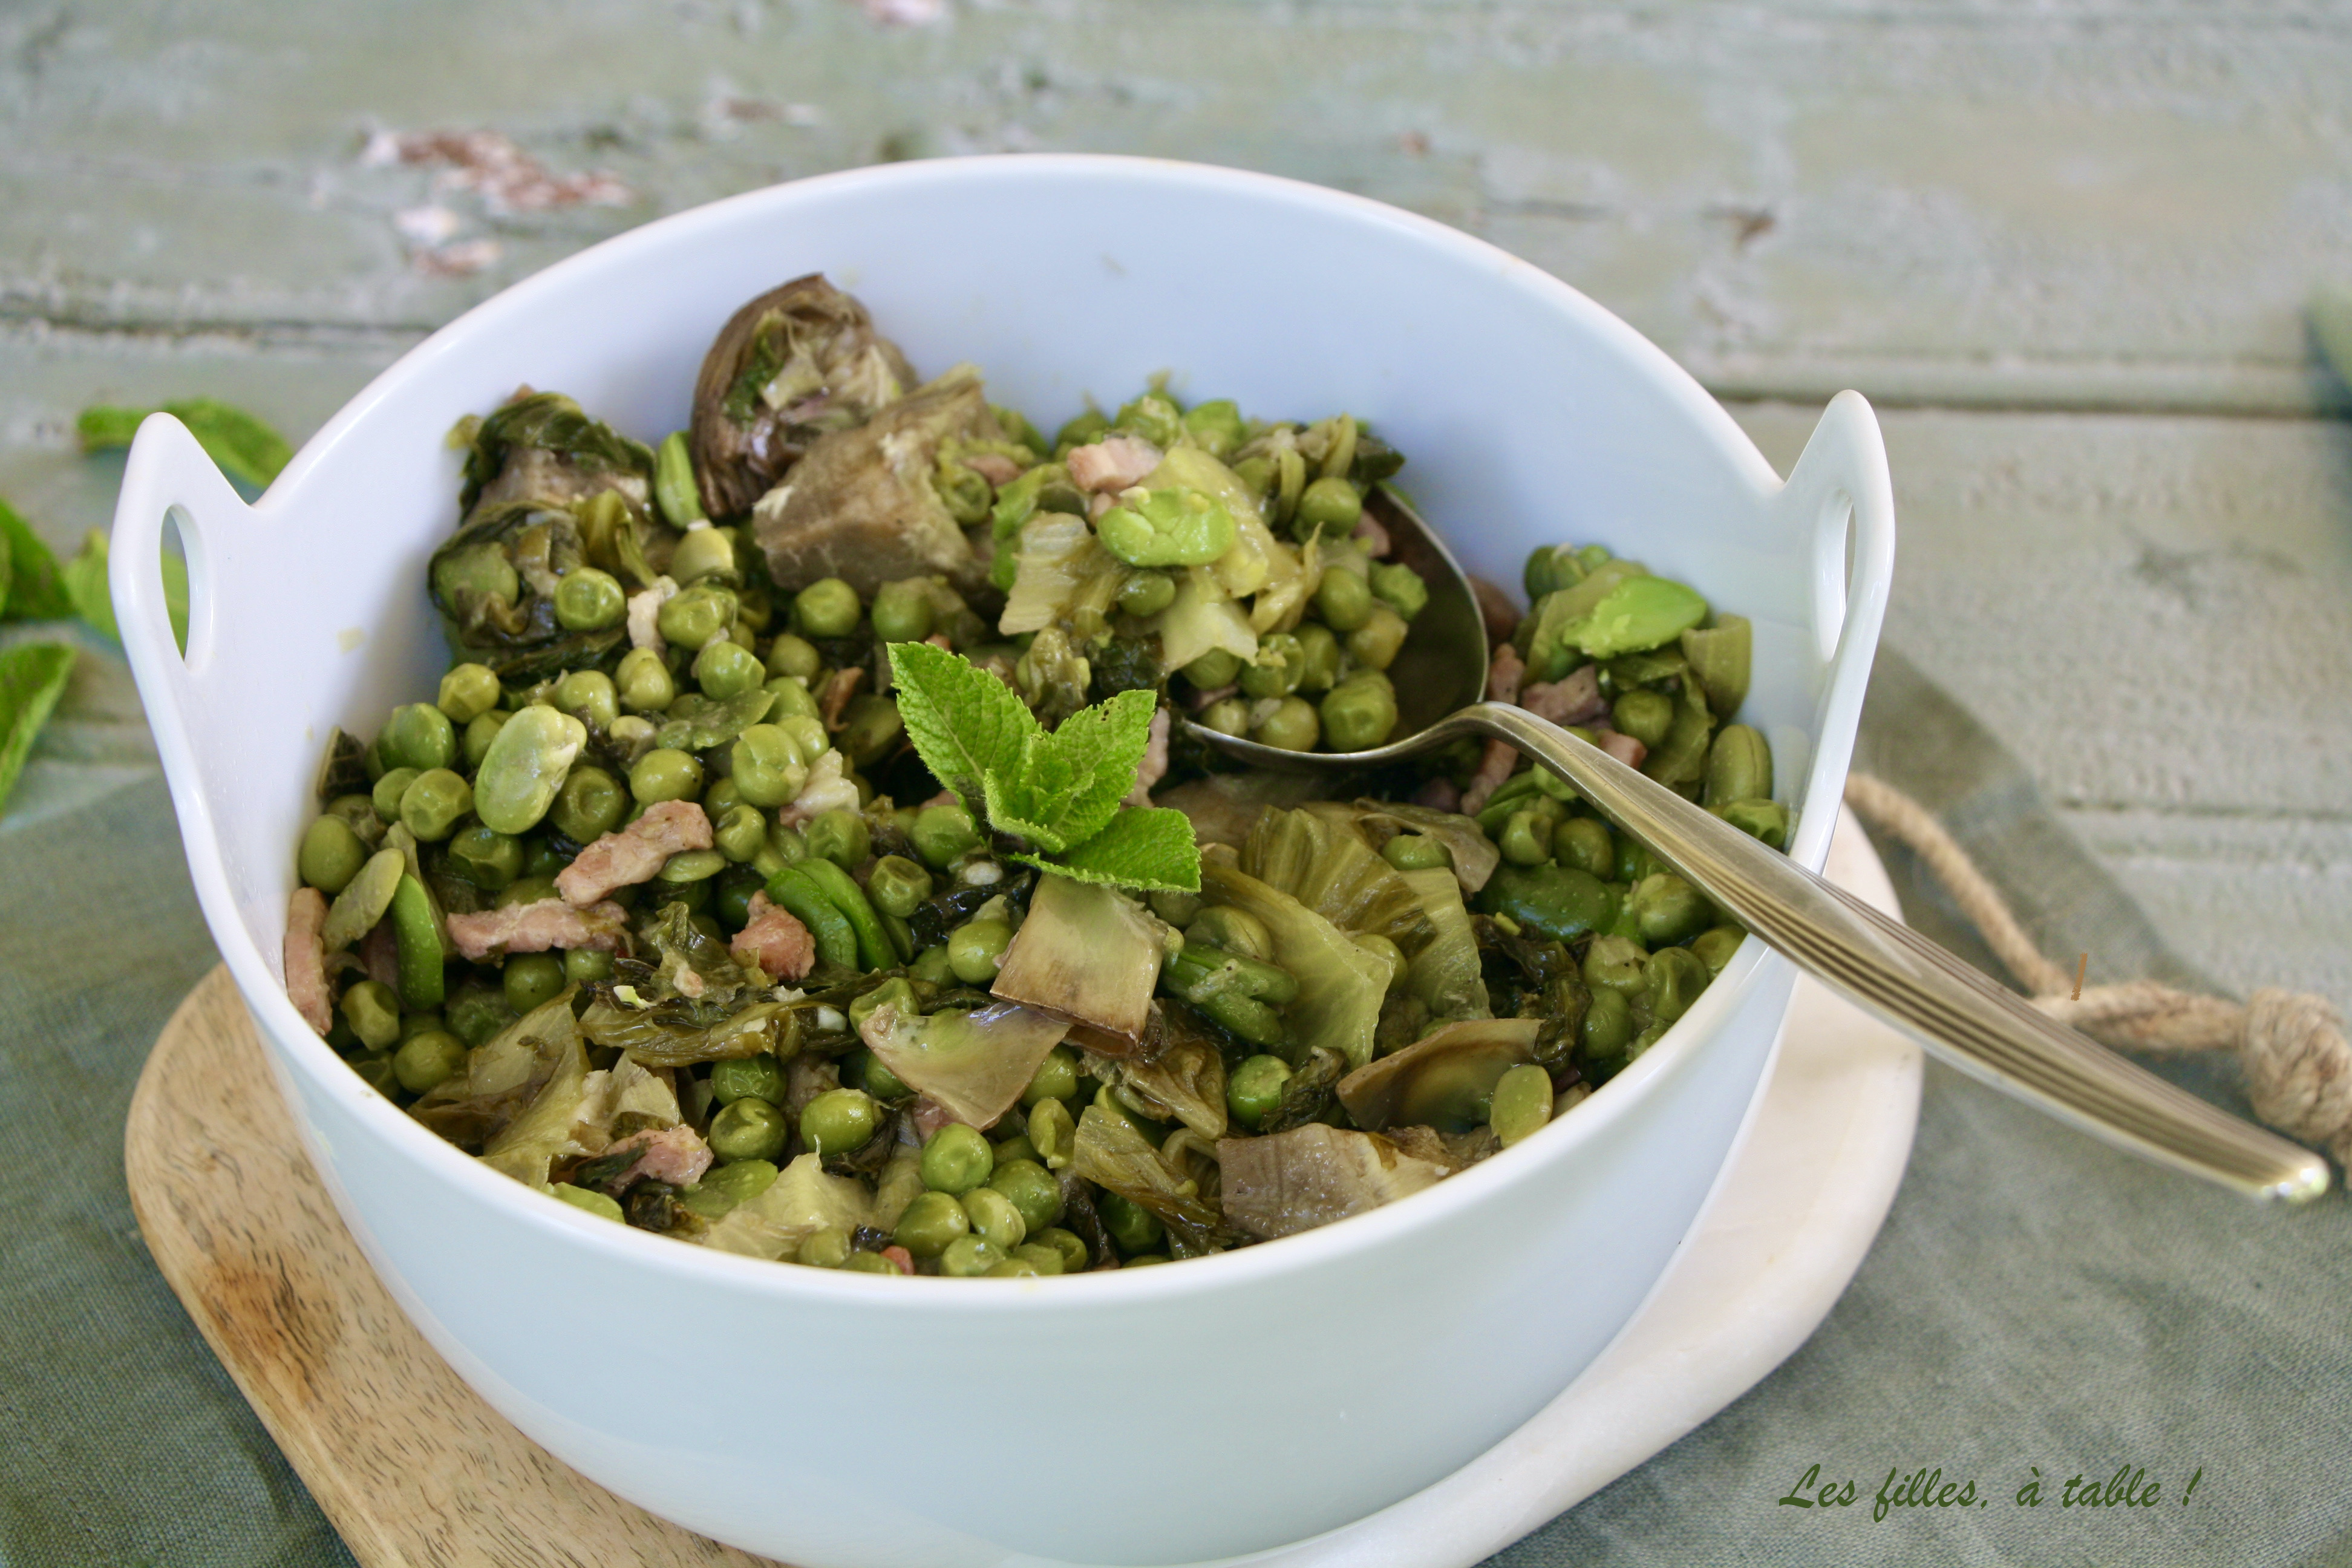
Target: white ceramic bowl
<point x="1200" y="1411"/>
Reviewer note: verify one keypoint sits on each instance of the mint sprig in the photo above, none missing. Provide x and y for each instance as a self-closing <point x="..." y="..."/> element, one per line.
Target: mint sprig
<point x="1059" y="790"/>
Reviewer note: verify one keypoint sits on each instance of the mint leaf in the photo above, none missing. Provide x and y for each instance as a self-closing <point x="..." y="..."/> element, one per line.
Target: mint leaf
<point x="247" y="450"/>
<point x="1013" y="807"/>
<point x="1088" y="765"/>
<point x="965" y="723"/>
<point x="34" y="592"/>
<point x="32" y="677"/>
<point x="1147" y="846"/>
<point x="85" y="584"/>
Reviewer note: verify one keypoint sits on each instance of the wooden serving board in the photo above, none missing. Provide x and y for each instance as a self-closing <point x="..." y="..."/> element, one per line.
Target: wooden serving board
<point x="410" y="1465"/>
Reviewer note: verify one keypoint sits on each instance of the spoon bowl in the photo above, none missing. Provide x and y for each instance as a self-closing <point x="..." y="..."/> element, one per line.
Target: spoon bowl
<point x="1949" y="1007"/>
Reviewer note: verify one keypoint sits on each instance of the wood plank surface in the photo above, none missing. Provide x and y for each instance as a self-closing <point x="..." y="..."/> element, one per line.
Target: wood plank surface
<point x="2067" y="204"/>
<point x="409" y="1465"/>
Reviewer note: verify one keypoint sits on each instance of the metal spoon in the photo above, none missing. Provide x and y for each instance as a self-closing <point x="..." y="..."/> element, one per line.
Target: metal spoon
<point x="1956" y="1012"/>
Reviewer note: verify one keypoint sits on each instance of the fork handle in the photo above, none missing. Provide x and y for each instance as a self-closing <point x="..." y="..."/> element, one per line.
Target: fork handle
<point x="1959" y="1014"/>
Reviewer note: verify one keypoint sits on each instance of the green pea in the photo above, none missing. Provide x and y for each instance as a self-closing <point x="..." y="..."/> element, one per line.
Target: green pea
<point x="828" y="1247"/>
<point x="1522" y="1103"/>
<point x="373" y="1013"/>
<point x="1053" y="1131"/>
<point x="956" y="1160"/>
<point x="997" y="1218"/>
<point x="1417" y="852"/>
<point x="1607" y="1027"/>
<point x="793" y="701"/>
<point x="467" y="692"/>
<point x="1255" y="1088"/>
<point x="1216" y="667"/>
<point x="425" y="1059"/>
<point x="419" y="735"/>
<point x="1031" y="1189"/>
<point x="643" y="683"/>
<point x="1146" y="592"/>
<point x="666" y="773"/>
<point x="475" y="571"/>
<point x="480" y="732"/>
<point x="1360" y="713"/>
<point x="1524" y="841"/>
<point x="1738" y="766"/>
<point x="1767" y="821"/>
<point x="969" y="1256"/>
<point x="525" y="767"/>
<point x="839" y="836"/>
<point x="1615" y="964"/>
<point x="485" y="858"/>
<point x="1586" y="845"/>
<point x="931" y="966"/>
<point x="767" y="765"/>
<point x="861" y="1069"/>
<point x="331" y="856"/>
<point x="748" y="1130"/>
<point x="1056" y="1078"/>
<point x="588" y="600"/>
<point x="902" y="611"/>
<point x="690" y="866"/>
<point x="1375" y="644"/>
<point x="1400" y="587"/>
<point x="931" y="1223"/>
<point x="1644" y="714"/>
<point x="725" y="669"/>
<point x="414" y="1023"/>
<point x="826" y="608"/>
<point x="1134" y="1228"/>
<point x="1667" y="909"/>
<point x="1229" y="717"/>
<point x="1319" y="658"/>
<point x="1215" y="424"/>
<point x="1066" y="1245"/>
<point x="1287" y="723"/>
<point x="525" y="890"/>
<point x="1082" y="429"/>
<point x="897" y="886"/>
<point x="869" y="1263"/>
<point x="598" y="1203"/>
<point x="588" y="695"/>
<point x="587" y="964"/>
<point x="531" y="980"/>
<point x="357" y="812"/>
<point x="794" y="656"/>
<point x="1329" y="505"/>
<point x="1634" y="860"/>
<point x="385" y="796"/>
<point x="1177" y="908"/>
<point x="840" y="1121"/>
<point x="1153" y="417"/>
<point x="1280" y="664"/>
<point x="752" y="1078"/>
<point x="431" y="806"/>
<point x="694" y="618"/>
<point x="702" y="553"/>
<point x="590" y="804"/>
<point x="1040" y="1258"/>
<point x="1343" y="599"/>
<point x="742" y="833"/>
<point x="870" y="728"/>
<point x="1672" y="981"/>
<point x="477" y="1013"/>
<point x="976" y="950"/>
<point x="1714" y="947"/>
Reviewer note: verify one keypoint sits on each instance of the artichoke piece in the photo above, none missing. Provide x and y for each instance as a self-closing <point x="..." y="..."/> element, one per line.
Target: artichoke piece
<point x="795" y="365"/>
<point x="1113" y="1155"/>
<point x="1062" y="577"/>
<point x="1316" y="855"/>
<point x="542" y="447"/>
<point x="1185" y="1078"/>
<point x="801" y="1201"/>
<point x="860" y="505"/>
<point x="1339" y="983"/>
<point x="976" y="1064"/>
<point x="1445" y="976"/>
<point x="1446" y="1080"/>
<point x="1088" y="954"/>
<point x="494" y="583"/>
<point x="1279" y="1185"/>
<point x="1222" y="807"/>
<point x="502" y="1076"/>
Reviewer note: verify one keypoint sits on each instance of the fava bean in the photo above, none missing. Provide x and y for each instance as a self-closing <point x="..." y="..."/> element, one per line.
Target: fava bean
<point x="527" y="763"/>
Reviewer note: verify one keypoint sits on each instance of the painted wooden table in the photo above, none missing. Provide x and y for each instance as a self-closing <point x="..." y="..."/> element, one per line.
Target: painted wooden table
<point x="2065" y="249"/>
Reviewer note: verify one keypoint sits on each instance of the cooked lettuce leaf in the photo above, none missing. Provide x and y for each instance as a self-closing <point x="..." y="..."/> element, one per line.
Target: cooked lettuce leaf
<point x="1339" y="983"/>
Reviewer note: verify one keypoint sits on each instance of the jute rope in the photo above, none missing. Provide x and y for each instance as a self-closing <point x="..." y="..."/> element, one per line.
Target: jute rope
<point x="2290" y="1044"/>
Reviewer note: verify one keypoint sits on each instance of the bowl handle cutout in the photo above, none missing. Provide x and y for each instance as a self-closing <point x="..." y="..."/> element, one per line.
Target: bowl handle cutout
<point x="168" y="482"/>
<point x="1841" y="498"/>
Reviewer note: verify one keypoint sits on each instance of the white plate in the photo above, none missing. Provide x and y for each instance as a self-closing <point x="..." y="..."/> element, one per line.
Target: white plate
<point x="1796" y="1207"/>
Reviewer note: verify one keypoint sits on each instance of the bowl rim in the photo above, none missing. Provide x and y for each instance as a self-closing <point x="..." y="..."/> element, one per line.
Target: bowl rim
<point x="300" y="1049"/>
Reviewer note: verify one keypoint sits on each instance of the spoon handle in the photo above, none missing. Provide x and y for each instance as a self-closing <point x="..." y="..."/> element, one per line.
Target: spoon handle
<point x="1953" y="1010"/>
